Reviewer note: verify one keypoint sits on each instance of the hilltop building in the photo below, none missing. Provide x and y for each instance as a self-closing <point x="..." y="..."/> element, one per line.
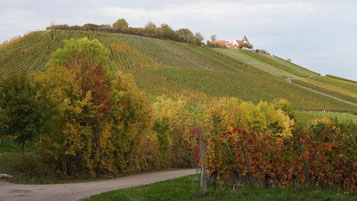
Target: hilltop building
<point x="234" y="45"/>
<point x="221" y="42"/>
<point x="237" y="43"/>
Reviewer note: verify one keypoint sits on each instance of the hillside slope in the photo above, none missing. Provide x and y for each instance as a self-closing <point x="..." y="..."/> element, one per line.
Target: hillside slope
<point x="331" y="86"/>
<point x="177" y="69"/>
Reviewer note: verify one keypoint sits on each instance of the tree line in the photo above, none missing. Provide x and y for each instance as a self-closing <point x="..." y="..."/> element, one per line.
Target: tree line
<point x="164" y="31"/>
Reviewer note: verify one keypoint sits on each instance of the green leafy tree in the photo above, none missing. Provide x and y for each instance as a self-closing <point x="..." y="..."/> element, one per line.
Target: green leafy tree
<point x="82" y="52"/>
<point x="199" y="38"/>
<point x="167" y="32"/>
<point x="24" y="113"/>
<point x="186" y="35"/>
<point x="121" y="24"/>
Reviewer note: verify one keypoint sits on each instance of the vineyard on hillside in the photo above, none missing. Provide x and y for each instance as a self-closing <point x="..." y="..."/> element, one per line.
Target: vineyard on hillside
<point x="340" y="78"/>
<point x="266" y="59"/>
<point x="179" y="81"/>
<point x="241" y="56"/>
<point x="177" y="69"/>
<point x="335" y="87"/>
<point x="33" y="51"/>
<point x="293" y="66"/>
<point x="168" y="53"/>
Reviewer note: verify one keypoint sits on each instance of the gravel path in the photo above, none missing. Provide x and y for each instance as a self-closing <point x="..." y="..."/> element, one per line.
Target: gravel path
<point x="77" y="191"/>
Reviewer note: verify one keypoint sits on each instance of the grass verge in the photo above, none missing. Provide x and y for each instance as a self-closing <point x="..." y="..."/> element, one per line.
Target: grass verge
<point x="187" y="188"/>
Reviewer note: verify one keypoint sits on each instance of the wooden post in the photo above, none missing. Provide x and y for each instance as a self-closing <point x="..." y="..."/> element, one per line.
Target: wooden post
<point x="306" y="170"/>
<point x="203" y="172"/>
<point x="250" y="175"/>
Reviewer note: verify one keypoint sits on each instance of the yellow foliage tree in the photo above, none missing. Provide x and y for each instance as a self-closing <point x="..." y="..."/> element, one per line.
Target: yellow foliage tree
<point x="172" y="125"/>
<point x="228" y="113"/>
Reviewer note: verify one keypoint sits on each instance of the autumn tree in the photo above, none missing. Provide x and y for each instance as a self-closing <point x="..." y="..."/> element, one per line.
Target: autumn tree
<point x="90" y="57"/>
<point x="172" y="124"/>
<point x="229" y="113"/>
<point x="102" y="116"/>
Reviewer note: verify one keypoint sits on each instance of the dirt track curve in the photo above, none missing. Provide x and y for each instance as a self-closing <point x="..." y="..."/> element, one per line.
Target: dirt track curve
<point x="77" y="191"/>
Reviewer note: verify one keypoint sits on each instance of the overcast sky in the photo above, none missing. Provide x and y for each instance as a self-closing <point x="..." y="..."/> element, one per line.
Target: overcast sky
<point x="318" y="34"/>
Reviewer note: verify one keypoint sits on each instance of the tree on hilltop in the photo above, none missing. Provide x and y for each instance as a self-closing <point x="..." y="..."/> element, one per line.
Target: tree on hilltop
<point x="150" y="25"/>
<point x="213" y="38"/>
<point x="121" y="24"/>
<point x="199" y="38"/>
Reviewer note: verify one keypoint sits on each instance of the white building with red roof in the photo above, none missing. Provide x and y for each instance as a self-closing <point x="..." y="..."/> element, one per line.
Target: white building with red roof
<point x="236" y="43"/>
<point x="221" y="42"/>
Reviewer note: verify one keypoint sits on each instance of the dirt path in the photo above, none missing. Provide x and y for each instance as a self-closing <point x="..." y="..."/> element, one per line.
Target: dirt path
<point x="77" y="191"/>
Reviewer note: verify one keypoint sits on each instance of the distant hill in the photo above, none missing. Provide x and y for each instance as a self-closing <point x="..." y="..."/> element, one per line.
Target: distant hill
<point x="193" y="72"/>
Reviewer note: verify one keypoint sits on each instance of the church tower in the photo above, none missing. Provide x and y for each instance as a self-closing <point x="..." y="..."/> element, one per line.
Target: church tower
<point x="245" y="39"/>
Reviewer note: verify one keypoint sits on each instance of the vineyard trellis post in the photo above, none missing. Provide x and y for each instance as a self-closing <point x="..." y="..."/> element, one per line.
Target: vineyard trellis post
<point x="306" y="170"/>
<point x="203" y="172"/>
<point x="250" y="175"/>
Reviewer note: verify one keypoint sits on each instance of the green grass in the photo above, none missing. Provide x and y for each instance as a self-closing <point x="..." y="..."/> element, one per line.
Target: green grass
<point x="8" y="146"/>
<point x="187" y="188"/>
<point x="11" y="163"/>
